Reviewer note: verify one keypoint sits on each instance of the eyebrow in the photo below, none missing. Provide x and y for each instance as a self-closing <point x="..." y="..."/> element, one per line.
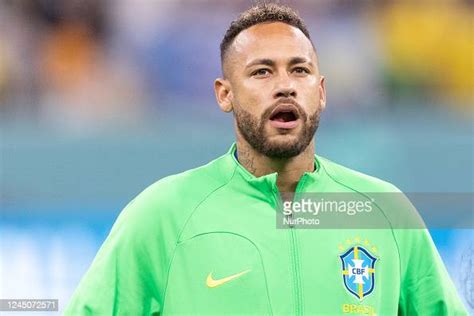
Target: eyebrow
<point x="271" y="63"/>
<point x="262" y="61"/>
<point x="300" y="60"/>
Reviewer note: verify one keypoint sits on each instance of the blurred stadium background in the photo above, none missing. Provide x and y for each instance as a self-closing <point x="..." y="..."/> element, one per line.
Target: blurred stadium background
<point x="99" y="99"/>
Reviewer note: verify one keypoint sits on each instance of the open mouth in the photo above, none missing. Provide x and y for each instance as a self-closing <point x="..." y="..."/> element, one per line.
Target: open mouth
<point x="284" y="116"/>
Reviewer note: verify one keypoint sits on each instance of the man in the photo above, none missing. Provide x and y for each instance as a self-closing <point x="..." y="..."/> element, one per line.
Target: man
<point x="205" y="241"/>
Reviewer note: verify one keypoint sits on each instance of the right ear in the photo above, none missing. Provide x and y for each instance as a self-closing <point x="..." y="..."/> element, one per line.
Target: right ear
<point x="224" y="94"/>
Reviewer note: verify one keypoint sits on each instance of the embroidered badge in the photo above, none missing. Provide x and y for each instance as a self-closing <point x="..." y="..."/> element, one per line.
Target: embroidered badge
<point x="358" y="270"/>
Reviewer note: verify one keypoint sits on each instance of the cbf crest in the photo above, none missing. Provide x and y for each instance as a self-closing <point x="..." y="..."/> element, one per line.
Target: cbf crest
<point x="358" y="270"/>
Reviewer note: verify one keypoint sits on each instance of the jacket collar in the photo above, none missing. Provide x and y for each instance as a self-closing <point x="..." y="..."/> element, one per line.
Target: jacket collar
<point x="268" y="182"/>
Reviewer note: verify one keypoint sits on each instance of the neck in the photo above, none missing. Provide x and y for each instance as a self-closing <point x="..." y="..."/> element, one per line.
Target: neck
<point x="289" y="170"/>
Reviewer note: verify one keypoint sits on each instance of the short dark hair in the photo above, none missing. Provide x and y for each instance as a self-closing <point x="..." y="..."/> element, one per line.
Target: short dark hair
<point x="261" y="13"/>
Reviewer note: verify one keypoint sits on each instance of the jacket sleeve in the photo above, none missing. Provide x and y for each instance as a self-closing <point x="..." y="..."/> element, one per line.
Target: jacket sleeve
<point x="426" y="287"/>
<point x="125" y="276"/>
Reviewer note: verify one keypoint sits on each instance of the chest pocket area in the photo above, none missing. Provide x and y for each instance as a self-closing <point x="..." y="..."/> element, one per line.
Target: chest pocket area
<point x="217" y="273"/>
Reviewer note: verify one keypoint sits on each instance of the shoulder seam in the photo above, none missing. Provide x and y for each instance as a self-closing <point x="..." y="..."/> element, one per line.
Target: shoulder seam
<point x="183" y="228"/>
<point x="202" y="201"/>
<point x="385" y="215"/>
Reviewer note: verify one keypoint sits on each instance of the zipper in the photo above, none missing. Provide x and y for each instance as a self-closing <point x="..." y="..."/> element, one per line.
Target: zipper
<point x="294" y="251"/>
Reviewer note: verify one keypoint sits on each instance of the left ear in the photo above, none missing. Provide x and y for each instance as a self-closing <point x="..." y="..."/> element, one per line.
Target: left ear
<point x="322" y="93"/>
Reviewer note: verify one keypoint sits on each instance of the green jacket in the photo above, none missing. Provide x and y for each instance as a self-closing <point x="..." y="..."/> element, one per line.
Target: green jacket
<point x="205" y="242"/>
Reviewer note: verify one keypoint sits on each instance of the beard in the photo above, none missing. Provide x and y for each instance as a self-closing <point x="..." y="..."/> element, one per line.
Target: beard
<point x="253" y="131"/>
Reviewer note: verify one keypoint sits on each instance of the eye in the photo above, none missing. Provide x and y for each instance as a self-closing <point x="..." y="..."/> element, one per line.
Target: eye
<point x="301" y="70"/>
<point x="262" y="72"/>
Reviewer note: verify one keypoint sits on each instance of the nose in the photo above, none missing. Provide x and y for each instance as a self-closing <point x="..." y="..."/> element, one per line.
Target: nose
<point x="284" y="87"/>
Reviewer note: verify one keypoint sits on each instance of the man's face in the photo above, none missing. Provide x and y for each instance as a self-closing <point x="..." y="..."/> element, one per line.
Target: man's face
<point x="277" y="93"/>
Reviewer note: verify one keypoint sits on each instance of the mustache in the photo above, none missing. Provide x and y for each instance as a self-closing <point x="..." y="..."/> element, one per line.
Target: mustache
<point x="267" y="113"/>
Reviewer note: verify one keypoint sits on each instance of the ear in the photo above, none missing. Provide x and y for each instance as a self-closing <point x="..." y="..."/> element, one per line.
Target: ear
<point x="322" y="93"/>
<point x="224" y="94"/>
